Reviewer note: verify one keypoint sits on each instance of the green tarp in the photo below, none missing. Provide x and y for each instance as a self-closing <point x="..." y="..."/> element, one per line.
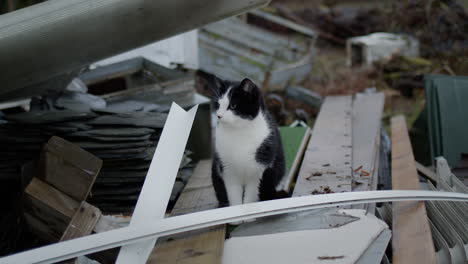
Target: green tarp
<point x="444" y="120"/>
<point x="291" y="138"/>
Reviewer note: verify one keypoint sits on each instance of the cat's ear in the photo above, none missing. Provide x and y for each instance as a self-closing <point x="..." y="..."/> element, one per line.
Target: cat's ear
<point x="209" y="82"/>
<point x="247" y="85"/>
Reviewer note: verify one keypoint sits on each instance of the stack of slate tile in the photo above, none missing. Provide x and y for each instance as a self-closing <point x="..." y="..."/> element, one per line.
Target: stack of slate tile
<point x="124" y="141"/>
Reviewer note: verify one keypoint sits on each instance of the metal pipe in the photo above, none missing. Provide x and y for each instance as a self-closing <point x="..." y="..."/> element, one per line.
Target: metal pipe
<point x="59" y="36"/>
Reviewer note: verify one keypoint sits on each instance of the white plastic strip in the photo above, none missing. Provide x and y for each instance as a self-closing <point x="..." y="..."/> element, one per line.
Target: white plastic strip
<point x="172" y="225"/>
<point x="156" y="191"/>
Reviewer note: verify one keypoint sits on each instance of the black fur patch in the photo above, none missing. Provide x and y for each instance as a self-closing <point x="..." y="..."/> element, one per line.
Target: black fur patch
<point x="218" y="182"/>
<point x="245" y="99"/>
<point x="271" y="154"/>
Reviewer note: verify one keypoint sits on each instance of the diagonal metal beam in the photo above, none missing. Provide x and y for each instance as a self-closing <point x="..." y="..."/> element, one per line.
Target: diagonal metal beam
<point x="172" y="225"/>
<point x="156" y="191"/>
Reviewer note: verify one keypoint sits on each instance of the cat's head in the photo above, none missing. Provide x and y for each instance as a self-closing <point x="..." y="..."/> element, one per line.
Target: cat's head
<point x="233" y="102"/>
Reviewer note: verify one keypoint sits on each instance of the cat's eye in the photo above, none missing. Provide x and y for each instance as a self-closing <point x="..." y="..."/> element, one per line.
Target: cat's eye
<point x="233" y="106"/>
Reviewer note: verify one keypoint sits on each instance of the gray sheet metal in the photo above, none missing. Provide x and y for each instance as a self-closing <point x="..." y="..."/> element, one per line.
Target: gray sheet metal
<point x="57" y="37"/>
<point x="172" y="225"/>
<point x="376" y="251"/>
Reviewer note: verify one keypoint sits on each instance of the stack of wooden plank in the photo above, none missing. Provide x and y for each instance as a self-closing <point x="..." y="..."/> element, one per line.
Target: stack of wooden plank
<point x="124" y="141"/>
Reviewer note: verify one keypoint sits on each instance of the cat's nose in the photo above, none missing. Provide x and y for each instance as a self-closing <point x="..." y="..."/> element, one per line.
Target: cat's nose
<point x="219" y="116"/>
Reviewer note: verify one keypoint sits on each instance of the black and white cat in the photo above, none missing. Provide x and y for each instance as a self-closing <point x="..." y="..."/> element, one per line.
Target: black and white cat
<point x="248" y="160"/>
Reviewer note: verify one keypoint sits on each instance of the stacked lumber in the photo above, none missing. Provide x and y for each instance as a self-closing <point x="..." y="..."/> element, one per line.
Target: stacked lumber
<point x="124" y="141"/>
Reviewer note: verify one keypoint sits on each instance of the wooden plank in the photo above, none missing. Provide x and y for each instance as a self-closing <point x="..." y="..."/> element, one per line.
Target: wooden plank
<point x="412" y="239"/>
<point x="48" y="210"/>
<point x="327" y="161"/>
<point x="426" y="172"/>
<point x="204" y="246"/>
<point x="198" y="194"/>
<point x="367" y="114"/>
<point x="83" y="222"/>
<point x="62" y="163"/>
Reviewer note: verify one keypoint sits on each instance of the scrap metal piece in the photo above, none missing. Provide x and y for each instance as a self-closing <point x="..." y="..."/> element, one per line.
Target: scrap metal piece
<point x="156" y="190"/>
<point x="364" y="50"/>
<point x="74" y="33"/>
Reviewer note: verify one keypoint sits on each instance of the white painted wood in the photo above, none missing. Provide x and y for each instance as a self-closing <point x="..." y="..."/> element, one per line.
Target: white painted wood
<point x="367" y="114"/>
<point x="129" y="235"/>
<point x="180" y="49"/>
<point x="327" y="161"/>
<point x="343" y="244"/>
<point x="156" y="191"/>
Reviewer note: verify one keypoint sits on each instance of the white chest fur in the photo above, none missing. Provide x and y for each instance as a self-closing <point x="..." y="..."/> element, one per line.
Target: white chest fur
<point x="237" y="147"/>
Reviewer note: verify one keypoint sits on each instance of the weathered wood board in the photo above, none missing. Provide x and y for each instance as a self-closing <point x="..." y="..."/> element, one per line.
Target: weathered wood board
<point x="204" y="246"/>
<point x="367" y="114"/>
<point x="412" y="239"/>
<point x="327" y="165"/>
<point x="83" y="222"/>
<point x="198" y="194"/>
<point x="62" y="163"/>
<point x="45" y="202"/>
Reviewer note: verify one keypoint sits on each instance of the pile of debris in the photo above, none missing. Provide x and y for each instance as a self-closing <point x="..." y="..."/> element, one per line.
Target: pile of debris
<point x="121" y="127"/>
<point x="125" y="142"/>
<point x="266" y="48"/>
<point x="336" y="24"/>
